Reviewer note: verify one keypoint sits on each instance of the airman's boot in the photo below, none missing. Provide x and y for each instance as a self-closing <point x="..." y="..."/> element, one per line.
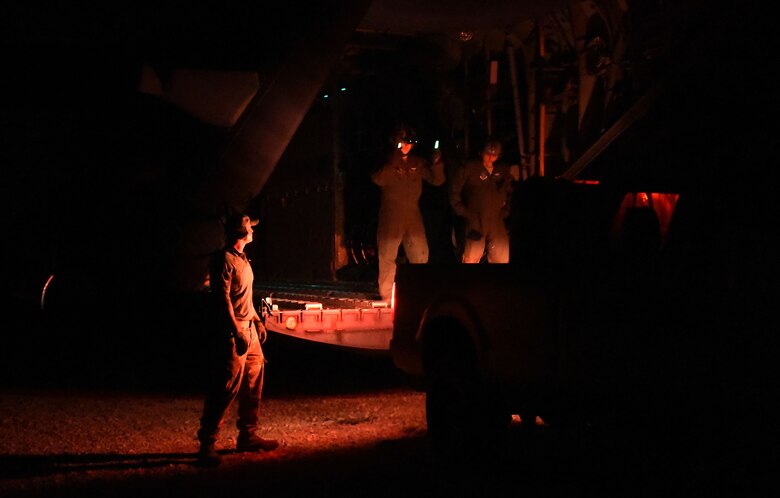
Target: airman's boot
<point x="253" y="442"/>
<point x="208" y="456"/>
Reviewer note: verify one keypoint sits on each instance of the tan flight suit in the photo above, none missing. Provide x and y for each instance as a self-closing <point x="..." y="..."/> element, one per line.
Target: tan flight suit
<point x="482" y="198"/>
<point x="400" y="220"/>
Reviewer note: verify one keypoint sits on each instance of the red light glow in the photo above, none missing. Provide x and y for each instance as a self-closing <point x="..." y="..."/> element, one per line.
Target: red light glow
<point x="662" y="203"/>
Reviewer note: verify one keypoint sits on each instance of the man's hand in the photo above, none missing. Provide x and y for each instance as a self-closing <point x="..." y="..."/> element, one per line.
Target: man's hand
<point x="262" y="334"/>
<point x="514" y="170"/>
<point x="242" y="338"/>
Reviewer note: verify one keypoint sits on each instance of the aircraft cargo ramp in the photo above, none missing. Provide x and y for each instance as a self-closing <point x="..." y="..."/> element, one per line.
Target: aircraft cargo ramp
<point x="347" y="315"/>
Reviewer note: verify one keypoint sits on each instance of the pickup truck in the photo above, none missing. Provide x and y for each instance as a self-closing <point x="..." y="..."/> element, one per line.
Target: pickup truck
<point x="563" y="332"/>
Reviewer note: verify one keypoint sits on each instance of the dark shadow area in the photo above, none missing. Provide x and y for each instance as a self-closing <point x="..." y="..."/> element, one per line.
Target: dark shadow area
<point x="533" y="463"/>
<point x="27" y="466"/>
<point x="151" y="350"/>
<point x="389" y="468"/>
<point x="296" y="366"/>
<point x="155" y="354"/>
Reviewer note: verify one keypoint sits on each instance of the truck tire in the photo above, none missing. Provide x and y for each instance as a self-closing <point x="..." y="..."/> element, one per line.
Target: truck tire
<point x="462" y="416"/>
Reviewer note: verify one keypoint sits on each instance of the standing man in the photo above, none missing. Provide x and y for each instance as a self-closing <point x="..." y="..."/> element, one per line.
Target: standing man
<point x="400" y="220"/>
<point x="480" y="193"/>
<point x="241" y="363"/>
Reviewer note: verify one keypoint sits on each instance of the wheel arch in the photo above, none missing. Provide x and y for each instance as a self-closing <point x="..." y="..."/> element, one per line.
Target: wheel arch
<point x="451" y="323"/>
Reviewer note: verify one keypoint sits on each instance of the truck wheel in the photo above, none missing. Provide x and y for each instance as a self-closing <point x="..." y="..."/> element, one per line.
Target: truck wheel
<point x="463" y="419"/>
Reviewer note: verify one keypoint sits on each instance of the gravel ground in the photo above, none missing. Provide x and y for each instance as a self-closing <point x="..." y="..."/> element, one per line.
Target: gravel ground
<point x="100" y="415"/>
<point x="106" y="416"/>
<point x="110" y="444"/>
<point x="109" y="424"/>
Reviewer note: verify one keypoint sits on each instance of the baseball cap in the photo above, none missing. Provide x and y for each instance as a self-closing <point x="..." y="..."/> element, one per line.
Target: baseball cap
<point x="236" y="225"/>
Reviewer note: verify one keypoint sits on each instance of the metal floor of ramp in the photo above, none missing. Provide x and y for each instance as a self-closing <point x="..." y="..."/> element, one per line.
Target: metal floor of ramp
<point x="330" y="294"/>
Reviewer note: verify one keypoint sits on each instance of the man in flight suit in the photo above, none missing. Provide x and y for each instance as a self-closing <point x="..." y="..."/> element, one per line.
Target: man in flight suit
<point x="400" y="220"/>
<point x="480" y="193"/>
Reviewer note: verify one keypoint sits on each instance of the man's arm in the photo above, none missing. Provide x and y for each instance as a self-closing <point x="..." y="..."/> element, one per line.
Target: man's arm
<point x="220" y="282"/>
<point x="435" y="173"/>
<point x="508" y="187"/>
<point x="457" y="182"/>
<point x="261" y="331"/>
<point x="379" y="177"/>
